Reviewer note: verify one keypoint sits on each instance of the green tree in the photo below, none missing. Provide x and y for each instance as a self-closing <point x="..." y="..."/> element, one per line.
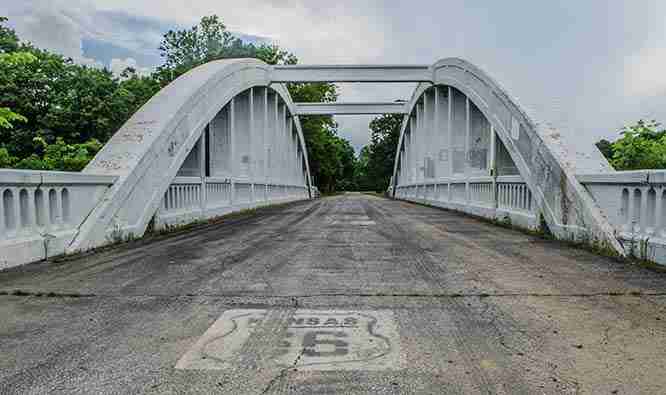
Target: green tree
<point x="59" y="156"/>
<point x="375" y="163"/>
<point x="606" y="148"/>
<point x="55" y="114"/>
<point x="209" y="40"/>
<point x="642" y="146"/>
<point x="9" y="41"/>
<point x="59" y="99"/>
<point x="331" y="158"/>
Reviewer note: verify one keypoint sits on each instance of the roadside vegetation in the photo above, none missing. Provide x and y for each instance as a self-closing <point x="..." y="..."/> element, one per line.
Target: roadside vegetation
<point x="56" y="114"/>
<point x="640" y="146"/>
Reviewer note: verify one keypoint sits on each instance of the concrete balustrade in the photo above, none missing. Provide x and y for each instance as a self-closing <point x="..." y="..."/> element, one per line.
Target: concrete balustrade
<point x="635" y="204"/>
<point x="40" y="211"/>
<point x="506" y="199"/>
<point x="184" y="201"/>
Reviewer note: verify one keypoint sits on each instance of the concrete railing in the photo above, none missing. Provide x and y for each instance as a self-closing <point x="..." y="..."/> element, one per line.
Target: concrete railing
<point x="505" y="198"/>
<point x="40" y="211"/>
<point x="189" y="199"/>
<point x="635" y="204"/>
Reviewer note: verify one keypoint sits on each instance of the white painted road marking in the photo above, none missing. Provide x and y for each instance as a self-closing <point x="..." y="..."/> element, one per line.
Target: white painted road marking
<point x="311" y="340"/>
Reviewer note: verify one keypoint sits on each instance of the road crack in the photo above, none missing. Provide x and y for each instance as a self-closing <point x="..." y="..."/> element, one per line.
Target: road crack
<point x="283" y="372"/>
<point x="294" y="299"/>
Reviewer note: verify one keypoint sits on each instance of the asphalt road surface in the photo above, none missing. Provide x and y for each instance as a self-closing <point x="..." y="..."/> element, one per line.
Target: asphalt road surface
<point x="349" y="294"/>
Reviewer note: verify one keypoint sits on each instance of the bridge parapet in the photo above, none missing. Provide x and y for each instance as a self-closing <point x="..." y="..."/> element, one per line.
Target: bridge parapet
<point x="506" y="199"/>
<point x="190" y="199"/>
<point x="40" y="211"/>
<point x="635" y="204"/>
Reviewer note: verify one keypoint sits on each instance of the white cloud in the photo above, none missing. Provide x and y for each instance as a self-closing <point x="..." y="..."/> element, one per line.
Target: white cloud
<point x="117" y="66"/>
<point x="588" y="66"/>
<point x="47" y="24"/>
<point x="645" y="72"/>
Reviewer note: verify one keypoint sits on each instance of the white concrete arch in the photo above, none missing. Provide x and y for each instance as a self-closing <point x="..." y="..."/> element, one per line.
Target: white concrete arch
<point x="149" y="149"/>
<point x="547" y="172"/>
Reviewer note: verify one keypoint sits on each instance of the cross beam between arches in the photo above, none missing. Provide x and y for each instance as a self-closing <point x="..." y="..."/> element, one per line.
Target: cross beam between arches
<point x="350" y="108"/>
<point x="352" y="73"/>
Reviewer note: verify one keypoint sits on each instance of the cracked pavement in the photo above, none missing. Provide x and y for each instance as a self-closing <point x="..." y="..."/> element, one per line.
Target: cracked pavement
<point x="477" y="308"/>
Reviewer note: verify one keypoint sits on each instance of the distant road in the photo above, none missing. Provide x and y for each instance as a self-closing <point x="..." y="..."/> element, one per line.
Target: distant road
<point x="347" y="294"/>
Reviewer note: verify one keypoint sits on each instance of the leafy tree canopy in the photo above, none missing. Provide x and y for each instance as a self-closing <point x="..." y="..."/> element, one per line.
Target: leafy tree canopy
<point x="641" y="146"/>
<point x="375" y="164"/>
<point x="55" y="114"/>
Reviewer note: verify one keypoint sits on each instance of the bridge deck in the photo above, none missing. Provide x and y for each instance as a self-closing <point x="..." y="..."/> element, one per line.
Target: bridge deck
<point x="350" y="294"/>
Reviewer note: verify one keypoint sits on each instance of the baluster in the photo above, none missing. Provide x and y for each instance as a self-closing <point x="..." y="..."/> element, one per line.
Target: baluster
<point x="644" y="210"/>
<point x="4" y="232"/>
<point x="659" y="212"/>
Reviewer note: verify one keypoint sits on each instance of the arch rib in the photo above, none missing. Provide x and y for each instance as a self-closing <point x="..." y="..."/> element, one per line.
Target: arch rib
<point x="566" y="206"/>
<point x="149" y="149"/>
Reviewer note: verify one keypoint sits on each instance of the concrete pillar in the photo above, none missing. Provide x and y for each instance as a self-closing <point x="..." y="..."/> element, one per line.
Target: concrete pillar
<point x="4" y="232"/>
<point x="421" y="138"/>
<point x="413" y="152"/>
<point x="630" y="212"/>
<point x="266" y="136"/>
<point x="493" y="167"/>
<point x="290" y="142"/>
<point x="275" y="155"/>
<point x="251" y="151"/>
<point x="426" y="142"/>
<point x="644" y="209"/>
<point x="467" y="145"/>
<point x="232" y="150"/>
<point x="203" y="156"/>
<point x="449" y="131"/>
<point x="436" y="136"/>
<point x="658" y="222"/>
<point x="283" y="144"/>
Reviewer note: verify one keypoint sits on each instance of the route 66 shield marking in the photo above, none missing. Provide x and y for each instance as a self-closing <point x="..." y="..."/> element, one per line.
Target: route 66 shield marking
<point x="303" y="339"/>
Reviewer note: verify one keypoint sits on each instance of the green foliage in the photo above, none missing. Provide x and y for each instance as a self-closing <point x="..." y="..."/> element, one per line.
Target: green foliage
<point x="606" y="148"/>
<point x="210" y="40"/>
<point x="9" y="41"/>
<point x="59" y="156"/>
<point x="642" y="146"/>
<point x="60" y="104"/>
<point x="8" y="61"/>
<point x="331" y="157"/>
<point x="374" y="166"/>
<point x="6" y="160"/>
<point x="55" y="115"/>
<point x="7" y="116"/>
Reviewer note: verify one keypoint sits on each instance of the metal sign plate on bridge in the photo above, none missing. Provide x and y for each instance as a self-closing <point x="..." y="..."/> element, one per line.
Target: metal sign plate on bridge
<point x="303" y="339"/>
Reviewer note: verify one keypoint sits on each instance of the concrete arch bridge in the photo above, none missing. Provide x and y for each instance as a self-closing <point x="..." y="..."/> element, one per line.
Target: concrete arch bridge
<point x="226" y="136"/>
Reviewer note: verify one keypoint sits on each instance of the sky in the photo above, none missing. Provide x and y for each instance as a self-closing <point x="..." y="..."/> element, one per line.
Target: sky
<point x="585" y="67"/>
